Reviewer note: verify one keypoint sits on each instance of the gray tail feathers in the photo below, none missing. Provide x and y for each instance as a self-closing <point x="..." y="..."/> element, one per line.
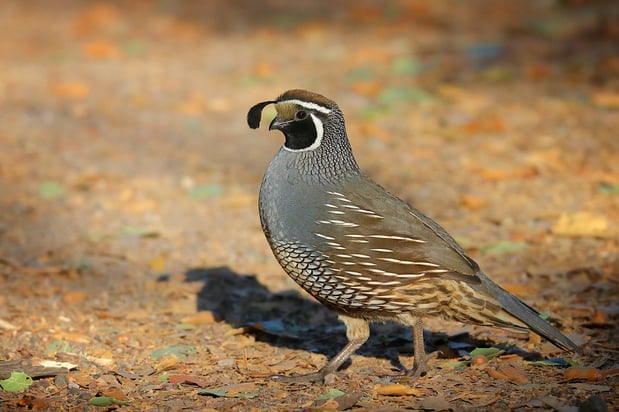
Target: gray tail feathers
<point x="530" y="317"/>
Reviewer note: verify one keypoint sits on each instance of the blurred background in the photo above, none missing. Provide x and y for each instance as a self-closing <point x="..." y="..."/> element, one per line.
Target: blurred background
<point x="125" y="154"/>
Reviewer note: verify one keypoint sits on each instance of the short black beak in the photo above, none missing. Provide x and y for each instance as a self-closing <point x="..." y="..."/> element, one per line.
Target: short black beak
<point x="276" y="124"/>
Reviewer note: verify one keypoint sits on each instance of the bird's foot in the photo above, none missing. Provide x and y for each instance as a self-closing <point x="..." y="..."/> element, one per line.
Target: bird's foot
<point x="420" y="368"/>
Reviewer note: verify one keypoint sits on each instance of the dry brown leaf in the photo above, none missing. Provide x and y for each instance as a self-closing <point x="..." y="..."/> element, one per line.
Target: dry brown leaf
<point x="100" y="49"/>
<point x="490" y="124"/>
<point x="606" y="99"/>
<point x="114" y="392"/>
<point x="514" y="373"/>
<point x="367" y="88"/>
<point x="396" y="389"/>
<point x="70" y="90"/>
<point x="196" y="380"/>
<point x="158" y="263"/>
<point x="95" y="17"/>
<point x="435" y="403"/>
<point x="472" y="202"/>
<point x="599" y="318"/>
<point x="505" y="174"/>
<point x="580" y="372"/>
<point x="479" y="362"/>
<point x="74" y="297"/>
<point x="581" y="224"/>
<point x="166" y="362"/>
<point x="72" y="337"/>
<point x="496" y="374"/>
<point x="201" y="318"/>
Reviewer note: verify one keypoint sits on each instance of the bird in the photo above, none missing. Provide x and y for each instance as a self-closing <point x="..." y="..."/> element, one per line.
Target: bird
<point x="361" y="251"/>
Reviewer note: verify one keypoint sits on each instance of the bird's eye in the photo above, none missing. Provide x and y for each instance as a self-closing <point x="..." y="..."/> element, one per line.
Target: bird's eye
<point x="300" y="115"/>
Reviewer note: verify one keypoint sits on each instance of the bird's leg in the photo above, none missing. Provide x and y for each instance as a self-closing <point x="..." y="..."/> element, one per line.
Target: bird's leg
<point x="357" y="332"/>
<point x="420" y="363"/>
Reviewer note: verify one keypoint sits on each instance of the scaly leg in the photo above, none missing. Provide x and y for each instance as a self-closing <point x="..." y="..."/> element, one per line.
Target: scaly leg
<point x="420" y="363"/>
<point x="357" y="332"/>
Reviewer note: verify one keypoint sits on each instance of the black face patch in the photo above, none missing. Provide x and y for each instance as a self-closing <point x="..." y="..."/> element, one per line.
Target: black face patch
<point x="299" y="134"/>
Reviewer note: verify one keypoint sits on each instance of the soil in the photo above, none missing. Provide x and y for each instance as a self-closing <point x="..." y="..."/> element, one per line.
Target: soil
<point x="131" y="254"/>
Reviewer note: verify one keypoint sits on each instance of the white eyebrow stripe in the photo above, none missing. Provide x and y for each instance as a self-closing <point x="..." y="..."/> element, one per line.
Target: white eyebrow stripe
<point x="308" y="105"/>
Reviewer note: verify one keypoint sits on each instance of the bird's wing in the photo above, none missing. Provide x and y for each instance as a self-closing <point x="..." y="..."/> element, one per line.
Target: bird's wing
<point x="390" y="237"/>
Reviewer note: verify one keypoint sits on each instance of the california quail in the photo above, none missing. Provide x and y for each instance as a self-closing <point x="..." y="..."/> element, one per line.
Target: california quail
<point x="360" y="250"/>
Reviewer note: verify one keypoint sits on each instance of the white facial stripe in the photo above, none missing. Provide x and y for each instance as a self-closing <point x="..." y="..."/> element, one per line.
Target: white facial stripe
<point x="319" y="132"/>
<point x="308" y="105"/>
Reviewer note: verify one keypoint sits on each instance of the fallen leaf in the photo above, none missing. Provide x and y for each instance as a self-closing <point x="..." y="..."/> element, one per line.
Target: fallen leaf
<point x="496" y="374"/>
<point x="514" y="373"/>
<point x="435" y="403"/>
<point x="17" y="382"/>
<point x="581" y="224"/>
<point x="331" y="393"/>
<point x="505" y="246"/>
<point x="166" y="362"/>
<point x="239" y="390"/>
<point x="488" y="353"/>
<point x="579" y="372"/>
<point x="51" y="190"/>
<point x="74" y="297"/>
<point x="158" y="263"/>
<point x="492" y="174"/>
<point x="606" y="100"/>
<point x="396" y="389"/>
<point x="178" y="379"/>
<point x="107" y="401"/>
<point x="453" y="364"/>
<point x="180" y="351"/>
<point x="70" y="90"/>
<point x="479" y="361"/>
<point x="599" y="318"/>
<point x="472" y="202"/>
<point x="100" y="49"/>
<point x="201" y="318"/>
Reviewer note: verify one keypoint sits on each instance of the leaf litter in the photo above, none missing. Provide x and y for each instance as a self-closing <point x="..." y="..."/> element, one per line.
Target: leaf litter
<point x="129" y="185"/>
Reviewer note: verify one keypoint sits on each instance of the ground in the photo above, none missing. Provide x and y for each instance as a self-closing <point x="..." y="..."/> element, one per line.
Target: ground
<point x="130" y="244"/>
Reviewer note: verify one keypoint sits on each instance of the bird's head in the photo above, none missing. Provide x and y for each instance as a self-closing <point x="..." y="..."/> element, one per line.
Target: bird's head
<point x="305" y="118"/>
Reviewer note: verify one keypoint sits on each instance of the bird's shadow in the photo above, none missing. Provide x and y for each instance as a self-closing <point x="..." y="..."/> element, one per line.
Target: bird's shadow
<point x="289" y="319"/>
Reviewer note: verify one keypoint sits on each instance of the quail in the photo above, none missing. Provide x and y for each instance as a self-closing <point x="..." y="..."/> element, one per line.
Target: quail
<point x="361" y="251"/>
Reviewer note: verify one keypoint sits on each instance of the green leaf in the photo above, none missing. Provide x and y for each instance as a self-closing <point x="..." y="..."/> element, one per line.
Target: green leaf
<point x="545" y="316"/>
<point x="17" y="382"/>
<point x="406" y="65"/>
<point x="107" y="401"/>
<point x="453" y="364"/>
<point x="50" y="189"/>
<point x="552" y="362"/>
<point x="489" y="353"/>
<point x="209" y="190"/>
<point x="180" y="351"/>
<point x="138" y="231"/>
<point x="330" y="394"/>
<point x="58" y="345"/>
<point x="136" y="47"/>
<point x="360" y="73"/>
<point x="609" y="189"/>
<point x="505" y="246"/>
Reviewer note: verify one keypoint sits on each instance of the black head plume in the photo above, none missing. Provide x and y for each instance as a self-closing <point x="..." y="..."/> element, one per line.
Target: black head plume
<point x="255" y="113"/>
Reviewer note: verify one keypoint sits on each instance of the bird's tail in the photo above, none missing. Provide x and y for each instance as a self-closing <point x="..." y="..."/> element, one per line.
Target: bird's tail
<point x="529" y="316"/>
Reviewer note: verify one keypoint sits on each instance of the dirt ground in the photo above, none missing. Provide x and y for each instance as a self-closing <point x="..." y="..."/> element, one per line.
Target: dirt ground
<point x="130" y="245"/>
